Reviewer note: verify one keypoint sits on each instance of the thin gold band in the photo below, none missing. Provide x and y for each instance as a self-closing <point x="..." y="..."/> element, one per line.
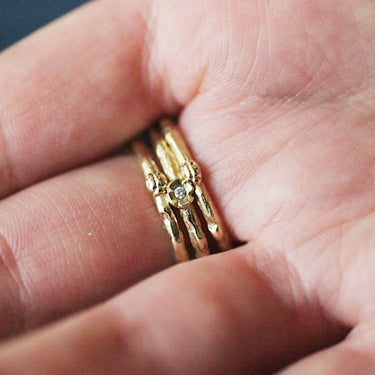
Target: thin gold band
<point x="176" y="182"/>
<point x="156" y="182"/>
<point x="191" y="171"/>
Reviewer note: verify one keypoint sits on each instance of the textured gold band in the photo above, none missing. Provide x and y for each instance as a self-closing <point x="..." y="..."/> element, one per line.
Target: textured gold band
<point x="176" y="182"/>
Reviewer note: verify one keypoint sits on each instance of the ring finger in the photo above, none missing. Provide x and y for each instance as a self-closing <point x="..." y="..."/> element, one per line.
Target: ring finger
<point x="76" y="239"/>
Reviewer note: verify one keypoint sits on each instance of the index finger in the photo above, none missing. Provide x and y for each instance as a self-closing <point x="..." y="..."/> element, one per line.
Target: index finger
<point x="74" y="91"/>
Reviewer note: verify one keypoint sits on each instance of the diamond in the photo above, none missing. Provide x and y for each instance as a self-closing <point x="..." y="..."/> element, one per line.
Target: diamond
<point x="180" y="192"/>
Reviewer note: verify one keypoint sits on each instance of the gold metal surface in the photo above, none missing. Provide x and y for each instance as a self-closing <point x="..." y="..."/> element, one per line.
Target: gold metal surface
<point x="157" y="182"/>
<point x="176" y="182"/>
<point x="190" y="170"/>
<point x="188" y="213"/>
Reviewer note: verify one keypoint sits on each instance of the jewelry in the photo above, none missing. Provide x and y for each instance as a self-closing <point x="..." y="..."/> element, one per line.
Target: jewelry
<point x="181" y="198"/>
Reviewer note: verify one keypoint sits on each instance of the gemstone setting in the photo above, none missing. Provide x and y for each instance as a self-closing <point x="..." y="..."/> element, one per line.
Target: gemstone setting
<point x="180" y="192"/>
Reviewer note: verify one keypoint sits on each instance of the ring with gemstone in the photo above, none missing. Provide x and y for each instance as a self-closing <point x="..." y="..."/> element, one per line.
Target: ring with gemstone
<point x="181" y="197"/>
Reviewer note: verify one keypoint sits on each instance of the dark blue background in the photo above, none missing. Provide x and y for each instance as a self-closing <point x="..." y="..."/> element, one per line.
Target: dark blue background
<point x="20" y="17"/>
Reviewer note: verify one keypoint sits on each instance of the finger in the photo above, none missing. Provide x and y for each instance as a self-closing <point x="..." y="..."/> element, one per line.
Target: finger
<point x="77" y="239"/>
<point x="352" y="357"/>
<point x="75" y="91"/>
<point x="217" y="315"/>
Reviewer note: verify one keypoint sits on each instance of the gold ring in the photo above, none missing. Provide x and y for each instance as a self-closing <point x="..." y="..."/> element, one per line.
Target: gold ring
<point x="180" y="195"/>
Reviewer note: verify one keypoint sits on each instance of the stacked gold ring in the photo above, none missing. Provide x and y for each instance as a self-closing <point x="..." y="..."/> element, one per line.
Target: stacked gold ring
<point x="181" y="198"/>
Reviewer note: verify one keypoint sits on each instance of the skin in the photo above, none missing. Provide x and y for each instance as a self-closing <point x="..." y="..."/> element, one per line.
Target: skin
<point x="276" y="99"/>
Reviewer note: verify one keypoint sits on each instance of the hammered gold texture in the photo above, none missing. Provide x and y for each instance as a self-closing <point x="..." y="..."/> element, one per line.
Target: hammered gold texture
<point x="209" y="211"/>
<point x="189" y="215"/>
<point x="176" y="182"/>
<point x="149" y="167"/>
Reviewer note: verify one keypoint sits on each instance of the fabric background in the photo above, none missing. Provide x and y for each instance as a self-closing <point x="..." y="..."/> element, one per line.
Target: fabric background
<point x="20" y="17"/>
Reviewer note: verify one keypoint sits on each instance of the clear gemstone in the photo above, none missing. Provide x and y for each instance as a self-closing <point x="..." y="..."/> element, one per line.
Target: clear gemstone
<point x="180" y="192"/>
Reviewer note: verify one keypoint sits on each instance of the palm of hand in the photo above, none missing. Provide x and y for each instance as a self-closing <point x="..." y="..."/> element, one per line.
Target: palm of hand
<point x="288" y="123"/>
<point x="277" y="107"/>
<point x="288" y="138"/>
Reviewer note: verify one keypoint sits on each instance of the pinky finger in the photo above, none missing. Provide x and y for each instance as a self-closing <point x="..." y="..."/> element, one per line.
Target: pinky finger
<point x="212" y="316"/>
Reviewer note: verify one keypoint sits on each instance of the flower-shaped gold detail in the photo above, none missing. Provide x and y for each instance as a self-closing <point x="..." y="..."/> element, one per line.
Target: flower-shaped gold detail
<point x="180" y="193"/>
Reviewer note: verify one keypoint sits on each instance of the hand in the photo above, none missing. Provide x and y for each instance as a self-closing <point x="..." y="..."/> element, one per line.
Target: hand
<point x="276" y="100"/>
